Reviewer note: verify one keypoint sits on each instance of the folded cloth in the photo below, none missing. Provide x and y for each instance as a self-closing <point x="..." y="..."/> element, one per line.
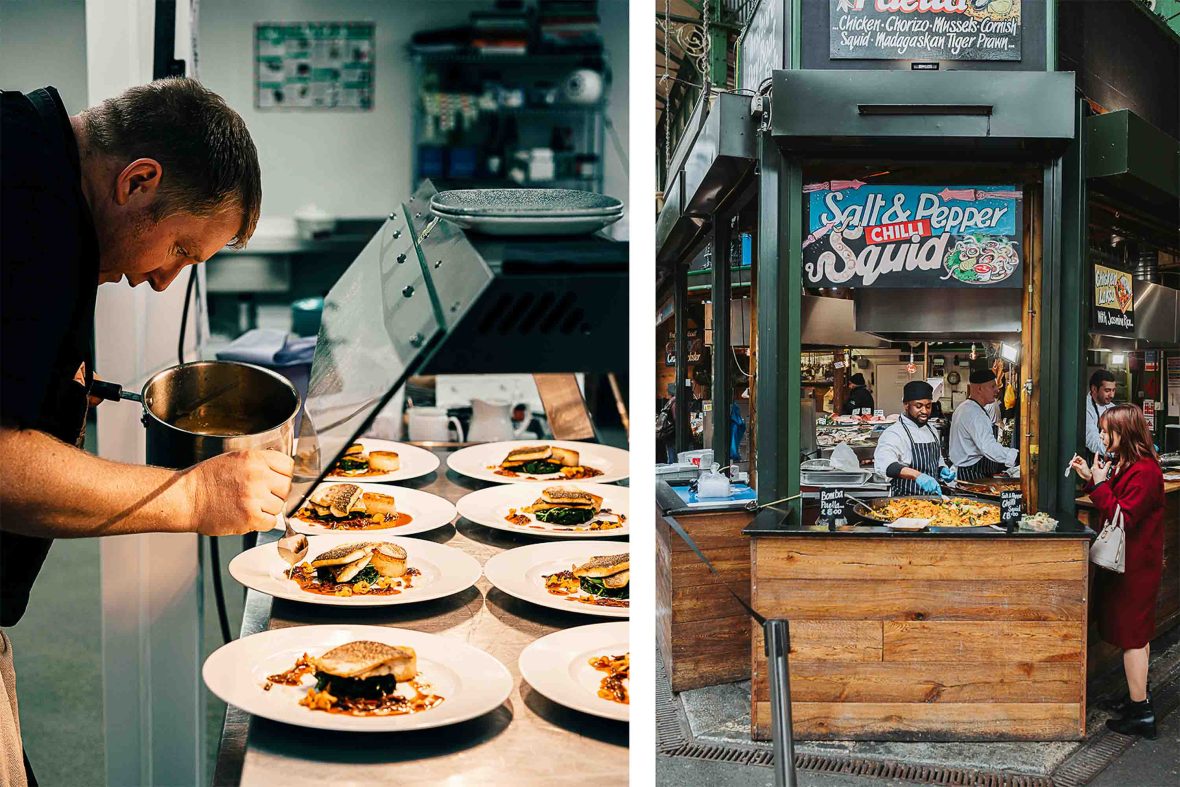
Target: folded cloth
<point x="269" y="347"/>
<point x="12" y="759"/>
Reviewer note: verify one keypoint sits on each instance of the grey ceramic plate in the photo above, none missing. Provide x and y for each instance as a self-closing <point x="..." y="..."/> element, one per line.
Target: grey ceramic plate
<point x="524" y="202"/>
<point x="532" y="225"/>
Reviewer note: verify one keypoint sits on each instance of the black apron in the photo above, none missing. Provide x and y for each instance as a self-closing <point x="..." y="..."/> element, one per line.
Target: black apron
<point x="984" y="468"/>
<point x="924" y="459"/>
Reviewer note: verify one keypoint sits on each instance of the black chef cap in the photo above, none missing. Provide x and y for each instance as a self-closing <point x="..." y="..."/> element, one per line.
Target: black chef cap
<point x="982" y="376"/>
<point x="917" y="389"/>
<point x="857" y="379"/>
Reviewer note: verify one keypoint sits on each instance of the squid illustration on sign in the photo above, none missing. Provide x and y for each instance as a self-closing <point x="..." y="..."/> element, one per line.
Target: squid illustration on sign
<point x="981" y="259"/>
<point x="827" y="260"/>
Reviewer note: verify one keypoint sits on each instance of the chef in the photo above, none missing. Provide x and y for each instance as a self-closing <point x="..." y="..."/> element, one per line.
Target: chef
<point x="1101" y="399"/>
<point x="138" y="187"/>
<point x="859" y="397"/>
<point x="974" y="450"/>
<point x="909" y="452"/>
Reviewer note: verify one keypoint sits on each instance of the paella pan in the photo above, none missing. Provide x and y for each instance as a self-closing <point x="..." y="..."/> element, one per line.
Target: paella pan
<point x="957" y="512"/>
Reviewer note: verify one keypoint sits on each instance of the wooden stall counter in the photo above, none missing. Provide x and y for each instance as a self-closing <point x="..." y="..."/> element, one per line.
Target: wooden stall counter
<point x="703" y="633"/>
<point x="1103" y="656"/>
<point x="939" y="636"/>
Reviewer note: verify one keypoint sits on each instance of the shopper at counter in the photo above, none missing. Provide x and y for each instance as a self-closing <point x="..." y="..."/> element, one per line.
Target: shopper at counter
<point x="141" y="186"/>
<point x="859" y="396"/>
<point x="974" y="450"/>
<point x="1101" y="399"/>
<point x="1132" y="482"/>
<point x="909" y="452"/>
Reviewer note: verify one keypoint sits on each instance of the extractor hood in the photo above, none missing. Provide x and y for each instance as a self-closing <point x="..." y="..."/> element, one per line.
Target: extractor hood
<point x="938" y="314"/>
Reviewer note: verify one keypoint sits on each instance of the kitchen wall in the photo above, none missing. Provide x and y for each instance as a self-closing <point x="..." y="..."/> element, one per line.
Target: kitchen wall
<point x="357" y="164"/>
<point x="43" y="42"/>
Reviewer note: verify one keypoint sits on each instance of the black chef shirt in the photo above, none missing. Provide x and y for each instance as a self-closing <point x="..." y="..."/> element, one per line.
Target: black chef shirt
<point x="48" y="282"/>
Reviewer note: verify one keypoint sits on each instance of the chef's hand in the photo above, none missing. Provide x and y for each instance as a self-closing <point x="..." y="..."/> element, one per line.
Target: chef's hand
<point x="947" y="474"/>
<point x="235" y="493"/>
<point x="928" y="485"/>
<point x="1101" y="470"/>
<point x="1079" y="466"/>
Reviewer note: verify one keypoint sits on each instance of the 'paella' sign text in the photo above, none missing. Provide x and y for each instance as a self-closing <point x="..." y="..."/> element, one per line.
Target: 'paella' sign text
<point x="925" y="29"/>
<point x="912" y="236"/>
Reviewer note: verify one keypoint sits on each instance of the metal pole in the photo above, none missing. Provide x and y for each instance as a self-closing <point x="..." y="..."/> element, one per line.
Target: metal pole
<point x="778" y="643"/>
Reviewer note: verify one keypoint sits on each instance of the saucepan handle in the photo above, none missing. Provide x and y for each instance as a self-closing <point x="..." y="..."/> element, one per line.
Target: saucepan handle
<point x="113" y="392"/>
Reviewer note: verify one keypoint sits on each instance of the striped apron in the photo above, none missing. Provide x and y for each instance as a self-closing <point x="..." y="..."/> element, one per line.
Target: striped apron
<point x="924" y="459"/>
<point x="984" y="468"/>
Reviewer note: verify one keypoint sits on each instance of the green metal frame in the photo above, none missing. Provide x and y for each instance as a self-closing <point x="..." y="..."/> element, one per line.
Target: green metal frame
<point x="721" y="393"/>
<point x="680" y="326"/>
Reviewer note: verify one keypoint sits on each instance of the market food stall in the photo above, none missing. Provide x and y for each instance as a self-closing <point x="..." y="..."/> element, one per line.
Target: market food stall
<point x="906" y="226"/>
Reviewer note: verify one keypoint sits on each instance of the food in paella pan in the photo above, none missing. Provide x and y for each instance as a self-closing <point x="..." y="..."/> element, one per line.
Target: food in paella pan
<point x="955" y="512"/>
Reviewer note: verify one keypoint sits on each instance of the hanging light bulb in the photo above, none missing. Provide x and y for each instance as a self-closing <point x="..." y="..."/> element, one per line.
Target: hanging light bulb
<point x="910" y="368"/>
<point x="973" y="351"/>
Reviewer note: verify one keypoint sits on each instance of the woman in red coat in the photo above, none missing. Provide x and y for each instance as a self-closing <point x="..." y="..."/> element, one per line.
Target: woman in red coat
<point x="1130" y="480"/>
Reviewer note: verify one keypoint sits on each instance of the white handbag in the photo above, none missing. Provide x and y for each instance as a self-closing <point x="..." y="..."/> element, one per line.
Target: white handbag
<point x="1109" y="550"/>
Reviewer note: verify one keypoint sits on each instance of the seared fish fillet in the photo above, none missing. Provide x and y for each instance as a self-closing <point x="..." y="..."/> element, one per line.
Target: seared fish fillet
<point x="366" y="659"/>
<point x="528" y="453"/>
<point x="345" y="553"/>
<point x="339" y="499"/>
<point x="603" y="566"/>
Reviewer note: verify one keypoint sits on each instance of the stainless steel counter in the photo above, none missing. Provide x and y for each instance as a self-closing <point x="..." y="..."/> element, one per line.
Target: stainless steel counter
<point x="527" y="740"/>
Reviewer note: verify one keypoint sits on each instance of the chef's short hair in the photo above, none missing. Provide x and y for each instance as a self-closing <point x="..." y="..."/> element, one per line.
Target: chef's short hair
<point x="209" y="160"/>
<point x="1099" y="377"/>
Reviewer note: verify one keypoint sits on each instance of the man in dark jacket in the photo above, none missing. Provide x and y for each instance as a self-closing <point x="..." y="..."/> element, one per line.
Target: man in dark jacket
<point x="859" y="397"/>
<point x="138" y="187"/>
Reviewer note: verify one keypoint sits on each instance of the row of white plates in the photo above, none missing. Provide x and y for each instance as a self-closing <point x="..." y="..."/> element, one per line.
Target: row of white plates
<point x="472" y="681"/>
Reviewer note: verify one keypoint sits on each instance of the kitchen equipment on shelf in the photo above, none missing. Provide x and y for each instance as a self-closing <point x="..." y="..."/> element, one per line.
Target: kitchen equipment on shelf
<point x="312" y="221"/>
<point x="491" y="421"/>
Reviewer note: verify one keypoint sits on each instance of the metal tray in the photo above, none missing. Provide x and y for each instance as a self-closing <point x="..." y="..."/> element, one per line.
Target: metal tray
<point x="865" y="510"/>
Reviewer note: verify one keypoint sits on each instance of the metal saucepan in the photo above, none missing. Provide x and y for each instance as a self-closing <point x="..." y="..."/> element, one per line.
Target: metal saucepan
<point x="198" y="410"/>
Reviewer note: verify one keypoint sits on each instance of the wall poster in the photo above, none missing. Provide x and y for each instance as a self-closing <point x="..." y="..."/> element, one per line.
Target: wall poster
<point x="1114" y="301"/>
<point x="912" y="236"/>
<point x="314" y="65"/>
<point x="925" y="29"/>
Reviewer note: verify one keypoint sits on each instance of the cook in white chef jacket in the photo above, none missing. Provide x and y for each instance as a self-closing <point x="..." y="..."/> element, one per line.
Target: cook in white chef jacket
<point x="909" y="452"/>
<point x="974" y="450"/>
<point x="1101" y="399"/>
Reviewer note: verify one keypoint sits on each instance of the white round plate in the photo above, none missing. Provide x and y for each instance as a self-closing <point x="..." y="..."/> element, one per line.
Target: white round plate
<point x="474" y="461"/>
<point x="530" y="225"/>
<point x="415" y="462"/>
<point x="445" y="570"/>
<point x="521" y="573"/>
<point x="471" y="682"/>
<point x="426" y="512"/>
<point x="558" y="666"/>
<point x="489" y="507"/>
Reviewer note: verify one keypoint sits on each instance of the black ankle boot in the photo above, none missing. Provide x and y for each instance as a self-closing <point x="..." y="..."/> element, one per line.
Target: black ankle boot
<point x="1138" y="719"/>
<point x="1121" y="705"/>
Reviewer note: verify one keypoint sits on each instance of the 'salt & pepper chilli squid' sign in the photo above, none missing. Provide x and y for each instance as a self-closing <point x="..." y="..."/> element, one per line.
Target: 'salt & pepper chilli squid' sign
<point x="925" y="29"/>
<point x="1114" y="301"/>
<point x="912" y="236"/>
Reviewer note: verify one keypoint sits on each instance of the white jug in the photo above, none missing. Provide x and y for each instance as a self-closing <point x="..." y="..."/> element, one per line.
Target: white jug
<point x="491" y="421"/>
<point x="430" y="425"/>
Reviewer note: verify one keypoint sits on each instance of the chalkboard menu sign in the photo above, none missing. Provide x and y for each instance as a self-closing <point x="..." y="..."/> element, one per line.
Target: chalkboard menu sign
<point x="831" y="507"/>
<point x="1114" y="301"/>
<point x="1011" y="508"/>
<point x="925" y="29"/>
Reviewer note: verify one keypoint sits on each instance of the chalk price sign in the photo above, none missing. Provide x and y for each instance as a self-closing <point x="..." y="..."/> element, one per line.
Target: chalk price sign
<point x="831" y="506"/>
<point x="1011" y="508"/>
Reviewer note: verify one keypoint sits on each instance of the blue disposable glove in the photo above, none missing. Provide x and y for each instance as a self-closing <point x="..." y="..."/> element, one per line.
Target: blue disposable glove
<point x="928" y="485"/>
<point x="947" y="474"/>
